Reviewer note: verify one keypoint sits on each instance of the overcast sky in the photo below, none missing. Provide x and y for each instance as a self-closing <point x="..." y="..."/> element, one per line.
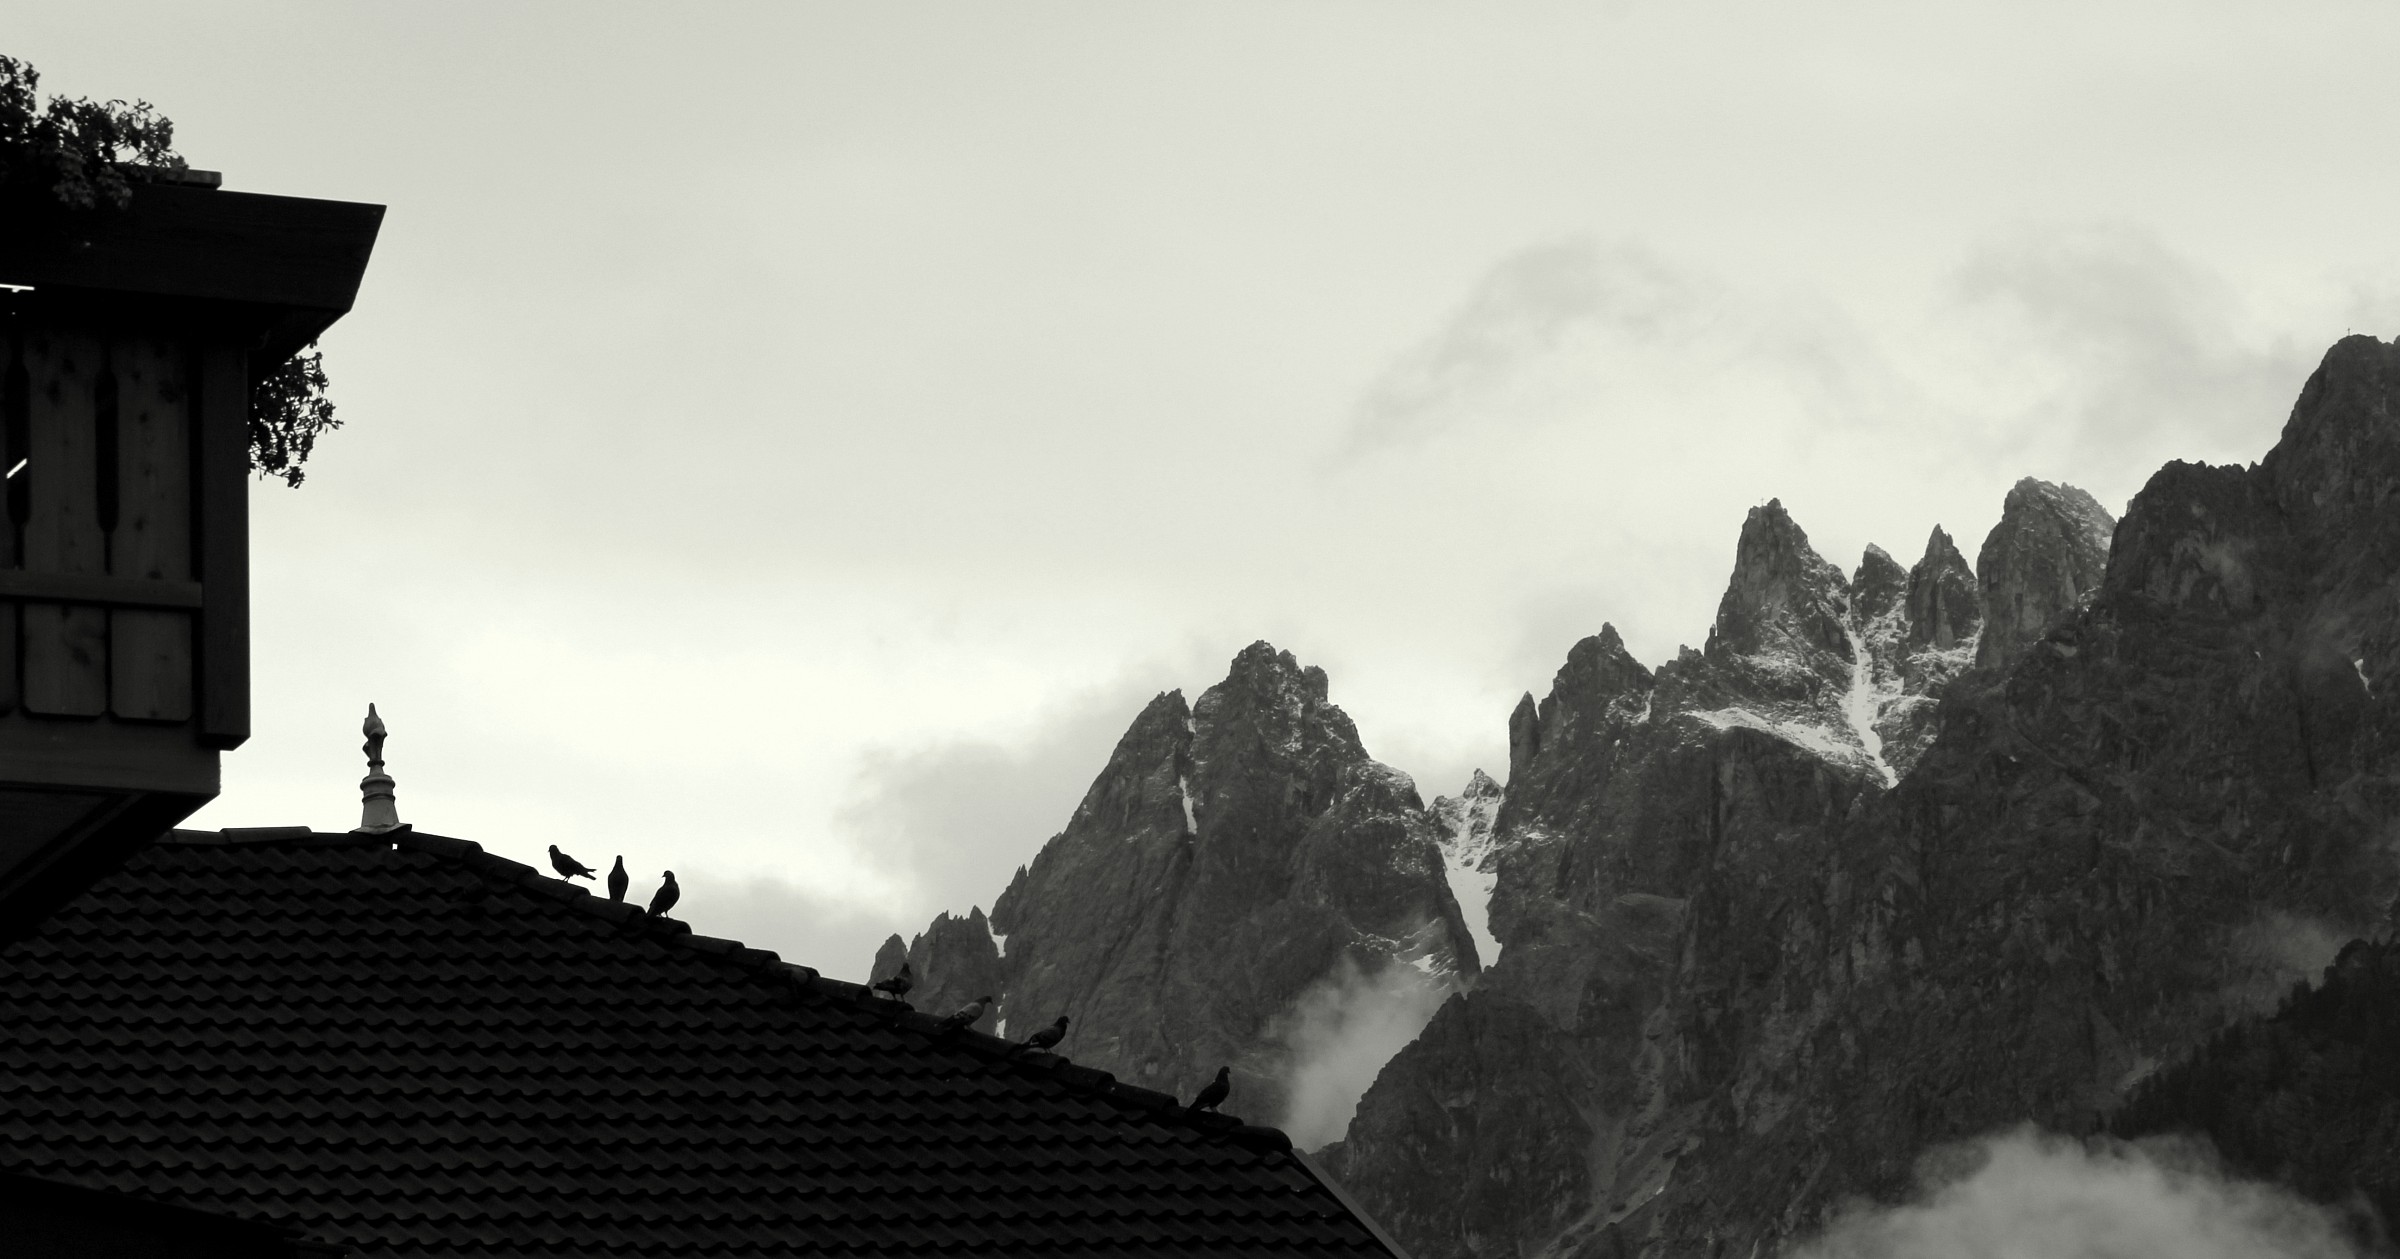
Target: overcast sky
<point x="787" y="443"/>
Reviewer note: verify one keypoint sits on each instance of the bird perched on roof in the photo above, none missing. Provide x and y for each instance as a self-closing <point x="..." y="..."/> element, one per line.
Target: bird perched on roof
<point x="568" y="867"/>
<point x="1214" y="1093"/>
<point x="665" y="897"/>
<point x="967" y="1014"/>
<point x="1047" y="1039"/>
<point x="898" y="985"/>
<point x="617" y="882"/>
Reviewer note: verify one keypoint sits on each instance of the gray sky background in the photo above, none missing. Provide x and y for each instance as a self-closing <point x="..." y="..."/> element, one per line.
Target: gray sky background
<point x="787" y="443"/>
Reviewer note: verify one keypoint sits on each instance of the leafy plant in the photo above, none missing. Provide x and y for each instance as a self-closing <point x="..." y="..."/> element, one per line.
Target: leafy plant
<point x="288" y="411"/>
<point x="71" y="160"/>
<point x="81" y="154"/>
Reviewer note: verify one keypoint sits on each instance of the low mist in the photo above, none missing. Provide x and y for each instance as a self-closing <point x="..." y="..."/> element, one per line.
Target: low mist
<point x="2273" y="952"/>
<point x="2027" y="1194"/>
<point x="1337" y="1036"/>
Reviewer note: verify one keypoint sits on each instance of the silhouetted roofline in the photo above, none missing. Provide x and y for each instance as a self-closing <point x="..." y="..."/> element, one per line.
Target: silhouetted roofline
<point x="85" y="1221"/>
<point x="802" y="981"/>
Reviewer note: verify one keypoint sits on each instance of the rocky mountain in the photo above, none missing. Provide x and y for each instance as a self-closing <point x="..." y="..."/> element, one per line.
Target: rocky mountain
<point x="1236" y="865"/>
<point x="1873" y="871"/>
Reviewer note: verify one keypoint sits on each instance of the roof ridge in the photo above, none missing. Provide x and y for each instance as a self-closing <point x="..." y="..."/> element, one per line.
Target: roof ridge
<point x="807" y="981"/>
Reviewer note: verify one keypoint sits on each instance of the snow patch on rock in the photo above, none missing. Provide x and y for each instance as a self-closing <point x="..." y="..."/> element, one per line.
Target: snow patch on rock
<point x="1465" y="826"/>
<point x="1867" y="697"/>
<point x="1822" y="740"/>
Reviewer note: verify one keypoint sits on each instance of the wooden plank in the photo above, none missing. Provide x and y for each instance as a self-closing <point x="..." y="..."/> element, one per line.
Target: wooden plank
<point x="150" y="652"/>
<point x="150" y="665"/>
<point x="14" y="433"/>
<point x="107" y="592"/>
<point x="154" y="530"/>
<point x="15" y="403"/>
<point x="65" y="646"/>
<point x="66" y="659"/>
<point x="62" y="533"/>
<point x="223" y="394"/>
<point x="44" y="753"/>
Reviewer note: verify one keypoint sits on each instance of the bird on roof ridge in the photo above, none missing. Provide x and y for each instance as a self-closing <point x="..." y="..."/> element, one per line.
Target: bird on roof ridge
<point x="617" y="880"/>
<point x="967" y="1014"/>
<point x="1214" y="1093"/>
<point x="568" y="867"/>
<point x="664" y="899"/>
<point x="377" y="813"/>
<point x="1047" y="1038"/>
<point x="900" y="982"/>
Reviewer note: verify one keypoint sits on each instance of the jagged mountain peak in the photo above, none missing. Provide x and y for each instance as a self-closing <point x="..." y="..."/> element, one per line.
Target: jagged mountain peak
<point x="1879" y="585"/>
<point x="1944" y="610"/>
<point x="2340" y="450"/>
<point x="1599" y="668"/>
<point x="1480" y="786"/>
<point x="2046" y="557"/>
<point x="1524" y="736"/>
<point x="1268" y="697"/>
<point x="888" y="958"/>
<point x="1232" y="857"/>
<point x="1782" y="593"/>
<point x="1262" y="667"/>
<point x="1139" y="787"/>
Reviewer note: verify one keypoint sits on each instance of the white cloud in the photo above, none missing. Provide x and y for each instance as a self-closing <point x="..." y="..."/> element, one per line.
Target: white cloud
<point x="2099" y="344"/>
<point x="1528" y="307"/>
<point x="952" y="818"/>
<point x="1336" y="1038"/>
<point x="2026" y="1194"/>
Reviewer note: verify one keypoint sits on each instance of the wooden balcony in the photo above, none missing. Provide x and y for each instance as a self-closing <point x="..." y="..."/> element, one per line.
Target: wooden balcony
<point x="128" y="347"/>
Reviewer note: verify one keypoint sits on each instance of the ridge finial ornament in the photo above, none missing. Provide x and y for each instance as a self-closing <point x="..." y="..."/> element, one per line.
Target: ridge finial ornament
<point x="378" y="814"/>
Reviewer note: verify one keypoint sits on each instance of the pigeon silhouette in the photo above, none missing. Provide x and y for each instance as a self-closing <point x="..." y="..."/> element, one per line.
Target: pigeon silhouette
<point x="1048" y="1038"/>
<point x="568" y="867"/>
<point x="617" y="881"/>
<point x="1216" y="1091"/>
<point x="898" y="985"/>
<point x="664" y="899"/>
<point x="967" y="1014"/>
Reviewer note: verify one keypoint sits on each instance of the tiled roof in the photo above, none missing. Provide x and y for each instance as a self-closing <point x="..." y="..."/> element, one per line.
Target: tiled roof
<point x="410" y="1046"/>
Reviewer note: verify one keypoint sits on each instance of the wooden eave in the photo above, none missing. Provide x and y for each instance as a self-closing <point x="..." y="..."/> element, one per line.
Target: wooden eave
<point x="286" y="266"/>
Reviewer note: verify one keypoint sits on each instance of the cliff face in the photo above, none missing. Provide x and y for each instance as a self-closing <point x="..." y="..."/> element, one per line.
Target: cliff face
<point x="1748" y="973"/>
<point x="1232" y="857"/>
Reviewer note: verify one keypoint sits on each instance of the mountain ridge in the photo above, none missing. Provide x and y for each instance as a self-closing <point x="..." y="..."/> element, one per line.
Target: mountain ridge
<point x="1895" y="856"/>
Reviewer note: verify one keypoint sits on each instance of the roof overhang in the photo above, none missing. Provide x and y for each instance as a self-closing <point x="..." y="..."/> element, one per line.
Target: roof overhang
<point x="287" y="266"/>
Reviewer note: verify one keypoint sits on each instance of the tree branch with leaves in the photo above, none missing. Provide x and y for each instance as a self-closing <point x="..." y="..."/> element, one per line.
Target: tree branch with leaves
<point x="71" y="161"/>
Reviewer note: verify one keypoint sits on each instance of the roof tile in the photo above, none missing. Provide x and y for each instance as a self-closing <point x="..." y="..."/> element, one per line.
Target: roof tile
<point x="411" y="1047"/>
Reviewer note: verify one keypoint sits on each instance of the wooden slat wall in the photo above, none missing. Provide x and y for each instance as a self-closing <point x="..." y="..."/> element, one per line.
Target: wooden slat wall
<point x="65" y="647"/>
<point x="15" y="399"/>
<point x="150" y="652"/>
<point x="92" y="408"/>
